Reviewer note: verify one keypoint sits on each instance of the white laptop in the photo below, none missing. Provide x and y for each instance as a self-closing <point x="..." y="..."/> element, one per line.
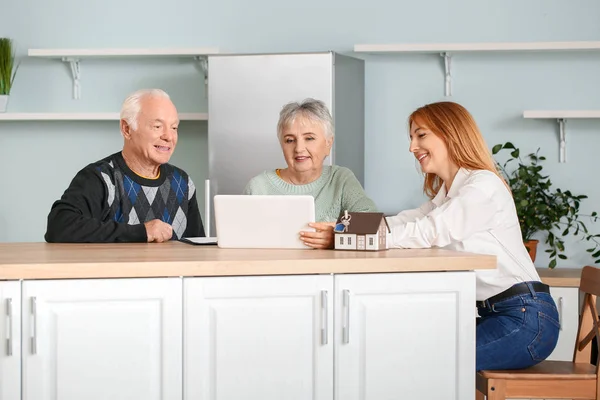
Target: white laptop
<point x="268" y="222"/>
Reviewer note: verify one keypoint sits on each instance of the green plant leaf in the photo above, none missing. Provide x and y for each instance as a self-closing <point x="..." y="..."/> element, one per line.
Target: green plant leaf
<point x="552" y="264"/>
<point x="542" y="208"/>
<point x="8" y="68"/>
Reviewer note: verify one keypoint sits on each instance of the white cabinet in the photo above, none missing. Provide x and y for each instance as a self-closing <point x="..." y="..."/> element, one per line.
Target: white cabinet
<point x="405" y="336"/>
<point x="10" y="340"/>
<point x="117" y="339"/>
<point x="320" y="337"/>
<point x="567" y="301"/>
<point x="267" y="338"/>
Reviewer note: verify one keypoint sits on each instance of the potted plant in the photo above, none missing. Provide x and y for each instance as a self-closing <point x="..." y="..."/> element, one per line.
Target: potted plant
<point x="542" y="209"/>
<point x="8" y="70"/>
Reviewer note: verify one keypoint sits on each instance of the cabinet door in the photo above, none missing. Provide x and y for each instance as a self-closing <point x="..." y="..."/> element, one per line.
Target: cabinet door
<point x="405" y="336"/>
<point x="567" y="301"/>
<point x="10" y="340"/>
<point x="98" y="339"/>
<point x="266" y="338"/>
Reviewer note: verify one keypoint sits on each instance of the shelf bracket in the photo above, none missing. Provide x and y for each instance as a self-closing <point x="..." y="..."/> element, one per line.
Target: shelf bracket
<point x="448" y="77"/>
<point x="563" y="141"/>
<point x="203" y="62"/>
<point x="76" y="72"/>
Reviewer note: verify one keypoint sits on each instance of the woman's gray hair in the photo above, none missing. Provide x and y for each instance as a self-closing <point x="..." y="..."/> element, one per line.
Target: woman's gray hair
<point x="315" y="110"/>
<point x="130" y="110"/>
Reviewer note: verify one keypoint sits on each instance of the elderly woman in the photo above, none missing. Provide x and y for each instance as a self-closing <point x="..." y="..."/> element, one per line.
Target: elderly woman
<point x="305" y="131"/>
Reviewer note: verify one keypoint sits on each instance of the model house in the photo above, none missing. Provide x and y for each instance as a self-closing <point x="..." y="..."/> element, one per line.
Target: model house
<point x="361" y="231"/>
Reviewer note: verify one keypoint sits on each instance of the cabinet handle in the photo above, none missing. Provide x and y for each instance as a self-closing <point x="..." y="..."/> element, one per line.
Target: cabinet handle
<point x="561" y="301"/>
<point x="346" y="316"/>
<point x="33" y="325"/>
<point x="9" y="328"/>
<point x="324" y="317"/>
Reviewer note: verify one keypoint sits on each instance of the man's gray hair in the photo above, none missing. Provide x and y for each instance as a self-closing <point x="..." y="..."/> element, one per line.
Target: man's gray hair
<point x="130" y="110"/>
<point x="315" y="110"/>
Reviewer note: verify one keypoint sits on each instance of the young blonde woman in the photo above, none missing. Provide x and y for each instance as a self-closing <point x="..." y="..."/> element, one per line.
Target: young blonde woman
<point x="471" y="209"/>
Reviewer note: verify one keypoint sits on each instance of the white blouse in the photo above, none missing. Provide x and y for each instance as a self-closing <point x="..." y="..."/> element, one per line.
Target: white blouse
<point x="477" y="215"/>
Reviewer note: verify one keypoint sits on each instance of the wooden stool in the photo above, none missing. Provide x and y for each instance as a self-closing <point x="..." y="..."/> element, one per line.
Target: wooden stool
<point x="555" y="379"/>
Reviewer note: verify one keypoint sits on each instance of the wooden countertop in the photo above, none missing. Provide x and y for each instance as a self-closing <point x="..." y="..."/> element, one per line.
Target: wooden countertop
<point x="128" y="260"/>
<point x="560" y="277"/>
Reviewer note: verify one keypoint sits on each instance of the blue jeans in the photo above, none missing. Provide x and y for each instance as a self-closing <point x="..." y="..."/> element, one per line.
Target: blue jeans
<point x="516" y="332"/>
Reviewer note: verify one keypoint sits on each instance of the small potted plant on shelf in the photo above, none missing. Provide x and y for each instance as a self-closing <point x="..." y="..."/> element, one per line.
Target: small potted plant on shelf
<point x="8" y="70"/>
<point x="541" y="208"/>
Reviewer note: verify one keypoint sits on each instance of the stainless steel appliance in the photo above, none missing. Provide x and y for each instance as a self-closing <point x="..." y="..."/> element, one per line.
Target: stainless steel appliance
<point x="245" y="95"/>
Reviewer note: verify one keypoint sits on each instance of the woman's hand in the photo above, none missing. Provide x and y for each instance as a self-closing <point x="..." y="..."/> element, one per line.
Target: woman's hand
<point x="322" y="238"/>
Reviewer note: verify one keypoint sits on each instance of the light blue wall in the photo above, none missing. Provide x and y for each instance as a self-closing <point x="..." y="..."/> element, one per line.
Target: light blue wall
<point x="40" y="158"/>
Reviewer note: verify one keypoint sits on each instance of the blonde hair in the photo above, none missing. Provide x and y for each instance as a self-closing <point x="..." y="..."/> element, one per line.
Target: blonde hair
<point x="457" y="128"/>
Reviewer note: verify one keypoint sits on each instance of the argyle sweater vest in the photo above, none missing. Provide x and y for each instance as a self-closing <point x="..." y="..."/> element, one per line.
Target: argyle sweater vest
<point x="115" y="203"/>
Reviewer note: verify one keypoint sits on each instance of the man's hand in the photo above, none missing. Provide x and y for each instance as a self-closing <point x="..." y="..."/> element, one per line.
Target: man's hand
<point x="158" y="231"/>
<point x="322" y="238"/>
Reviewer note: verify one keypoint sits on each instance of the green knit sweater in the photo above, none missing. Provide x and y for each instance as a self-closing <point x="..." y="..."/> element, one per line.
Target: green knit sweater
<point x="336" y="190"/>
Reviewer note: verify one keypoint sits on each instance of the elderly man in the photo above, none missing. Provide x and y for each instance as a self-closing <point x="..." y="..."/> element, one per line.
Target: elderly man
<point x="133" y="195"/>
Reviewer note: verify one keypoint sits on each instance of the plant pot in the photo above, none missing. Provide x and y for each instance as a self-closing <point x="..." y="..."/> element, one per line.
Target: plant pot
<point x="531" y="246"/>
<point x="3" y="102"/>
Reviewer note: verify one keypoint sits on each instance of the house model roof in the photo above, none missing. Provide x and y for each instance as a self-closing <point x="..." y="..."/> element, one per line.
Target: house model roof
<point x="361" y="223"/>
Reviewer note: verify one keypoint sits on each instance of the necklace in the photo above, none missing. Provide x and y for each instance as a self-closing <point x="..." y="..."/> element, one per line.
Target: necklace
<point x="289" y="178"/>
<point x="292" y="181"/>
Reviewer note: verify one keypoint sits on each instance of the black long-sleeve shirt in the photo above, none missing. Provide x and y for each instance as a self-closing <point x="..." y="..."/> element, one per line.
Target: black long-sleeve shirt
<point x="107" y="202"/>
